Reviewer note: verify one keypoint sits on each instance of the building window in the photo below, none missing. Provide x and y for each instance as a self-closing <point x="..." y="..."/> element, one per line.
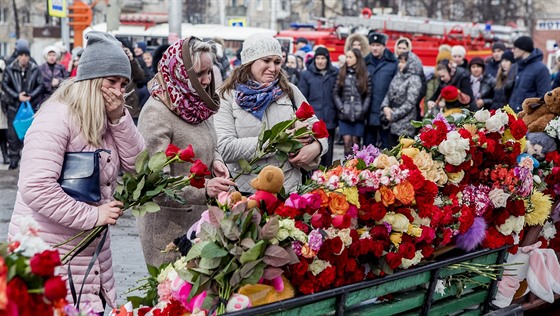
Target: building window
<point x="4" y="15"/>
<point x="259" y="5"/>
<point x="284" y="5"/>
<point x="26" y="17"/>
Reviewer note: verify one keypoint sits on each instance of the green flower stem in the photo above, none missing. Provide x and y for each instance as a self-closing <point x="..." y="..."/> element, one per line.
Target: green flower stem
<point x="90" y="236"/>
<point x="224" y="294"/>
<point x="69" y="240"/>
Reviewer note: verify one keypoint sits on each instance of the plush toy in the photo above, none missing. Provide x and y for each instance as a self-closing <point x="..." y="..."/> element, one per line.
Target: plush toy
<point x="537" y="112"/>
<point x="538" y="145"/>
<point x="538" y="266"/>
<point x="267" y="185"/>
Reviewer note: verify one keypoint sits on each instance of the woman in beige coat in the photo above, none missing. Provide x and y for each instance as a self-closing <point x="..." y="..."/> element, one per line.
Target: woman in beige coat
<point x="179" y="112"/>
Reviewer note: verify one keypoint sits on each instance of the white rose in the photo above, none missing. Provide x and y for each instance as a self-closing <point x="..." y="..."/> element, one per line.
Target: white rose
<point x="482" y="115"/>
<point x="498" y="197"/>
<point x="317" y="266"/>
<point x="456" y="158"/>
<point x="512" y="224"/>
<point x="496" y="122"/>
<point x="282" y="234"/>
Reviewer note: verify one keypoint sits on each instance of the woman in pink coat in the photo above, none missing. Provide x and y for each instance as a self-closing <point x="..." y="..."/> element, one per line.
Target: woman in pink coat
<point x="84" y="114"/>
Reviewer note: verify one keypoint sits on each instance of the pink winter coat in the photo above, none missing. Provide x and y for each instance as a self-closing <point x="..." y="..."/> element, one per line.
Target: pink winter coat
<point x="60" y="217"/>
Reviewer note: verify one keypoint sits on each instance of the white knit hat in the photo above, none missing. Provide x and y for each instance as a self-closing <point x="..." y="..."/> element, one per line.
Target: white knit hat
<point x="51" y="48"/>
<point x="458" y="50"/>
<point x="258" y="46"/>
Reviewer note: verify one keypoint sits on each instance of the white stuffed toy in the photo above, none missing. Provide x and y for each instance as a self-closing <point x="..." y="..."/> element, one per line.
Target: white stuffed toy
<point x="541" y="269"/>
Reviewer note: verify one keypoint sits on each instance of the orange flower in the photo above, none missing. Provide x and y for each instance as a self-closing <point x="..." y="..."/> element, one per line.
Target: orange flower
<point x="338" y="204"/>
<point x="336" y="171"/>
<point x="324" y="197"/>
<point x="385" y="195"/>
<point x="404" y="192"/>
<point x="351" y="163"/>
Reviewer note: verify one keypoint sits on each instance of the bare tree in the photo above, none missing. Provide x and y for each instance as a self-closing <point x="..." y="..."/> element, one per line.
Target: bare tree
<point x="16" y="17"/>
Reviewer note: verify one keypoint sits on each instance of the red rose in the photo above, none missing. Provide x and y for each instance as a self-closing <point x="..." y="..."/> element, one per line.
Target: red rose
<point x="187" y="154"/>
<point x="319" y="129"/>
<point x="394" y="260"/>
<point x="17" y="292"/>
<point x="379" y="232"/>
<point x="43" y="264"/>
<point x="515" y="207"/>
<point x="172" y="150"/>
<point x="320" y="219"/>
<point x="305" y="111"/>
<point x="327" y="277"/>
<point x="55" y="288"/>
<point x="407" y="250"/>
<point x="299" y="269"/>
<point x="341" y="221"/>
<point x="302" y="226"/>
<point x="198" y="182"/>
<point x="199" y="169"/>
<point x="427" y="251"/>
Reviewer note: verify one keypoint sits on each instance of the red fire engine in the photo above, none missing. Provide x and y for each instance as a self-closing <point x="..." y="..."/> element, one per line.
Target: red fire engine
<point x="426" y="35"/>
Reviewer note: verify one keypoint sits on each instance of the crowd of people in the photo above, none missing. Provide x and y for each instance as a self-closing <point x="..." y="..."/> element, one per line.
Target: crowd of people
<point x="187" y="94"/>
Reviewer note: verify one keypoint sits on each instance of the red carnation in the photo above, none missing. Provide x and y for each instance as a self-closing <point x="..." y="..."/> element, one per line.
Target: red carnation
<point x="450" y="93"/>
<point x="187" y="154"/>
<point x="55" y="288"/>
<point x="172" y="150"/>
<point x="302" y="226"/>
<point x="305" y="111"/>
<point x="327" y="277"/>
<point x="394" y="260"/>
<point x="518" y="128"/>
<point x="319" y="129"/>
<point x="407" y="250"/>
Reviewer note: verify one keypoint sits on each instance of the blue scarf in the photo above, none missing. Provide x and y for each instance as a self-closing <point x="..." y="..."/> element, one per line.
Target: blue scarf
<point x="255" y="98"/>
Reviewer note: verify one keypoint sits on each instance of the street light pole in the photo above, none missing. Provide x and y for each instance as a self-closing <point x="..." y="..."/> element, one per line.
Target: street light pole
<point x="175" y="12"/>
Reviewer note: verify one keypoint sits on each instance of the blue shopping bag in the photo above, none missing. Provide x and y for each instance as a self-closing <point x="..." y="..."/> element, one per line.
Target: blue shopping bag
<point x="23" y="119"/>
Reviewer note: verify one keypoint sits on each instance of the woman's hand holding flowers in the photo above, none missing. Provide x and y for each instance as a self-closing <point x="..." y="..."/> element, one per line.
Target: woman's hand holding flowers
<point x="108" y="213"/>
<point x="306" y="155"/>
<point x="219" y="169"/>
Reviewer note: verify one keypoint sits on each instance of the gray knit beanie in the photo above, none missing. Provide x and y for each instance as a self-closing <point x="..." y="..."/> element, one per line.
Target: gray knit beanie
<point x="259" y="46"/>
<point x="103" y="57"/>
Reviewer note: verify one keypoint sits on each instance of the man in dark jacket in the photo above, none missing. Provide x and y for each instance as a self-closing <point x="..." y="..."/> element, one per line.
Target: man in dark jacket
<point x="493" y="63"/>
<point x="533" y="77"/>
<point x="317" y="83"/>
<point x="21" y="82"/>
<point x="382" y="67"/>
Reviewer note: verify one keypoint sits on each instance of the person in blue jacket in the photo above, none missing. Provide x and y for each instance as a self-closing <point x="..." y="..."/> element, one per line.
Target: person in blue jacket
<point x="533" y="77"/>
<point x="382" y="67"/>
<point x="317" y="83"/>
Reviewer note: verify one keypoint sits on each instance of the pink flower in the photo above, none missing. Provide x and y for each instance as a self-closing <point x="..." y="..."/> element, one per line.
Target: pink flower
<point x="296" y="201"/>
<point x="312" y="200"/>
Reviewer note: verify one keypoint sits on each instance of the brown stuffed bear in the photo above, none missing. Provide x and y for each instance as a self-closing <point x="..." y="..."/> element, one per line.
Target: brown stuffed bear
<point x="267" y="185"/>
<point x="538" y="112"/>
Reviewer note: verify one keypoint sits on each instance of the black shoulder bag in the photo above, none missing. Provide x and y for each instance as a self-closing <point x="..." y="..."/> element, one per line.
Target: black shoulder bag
<point x="79" y="177"/>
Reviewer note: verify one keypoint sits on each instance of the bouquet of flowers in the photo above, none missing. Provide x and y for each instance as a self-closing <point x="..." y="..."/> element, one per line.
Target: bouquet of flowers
<point x="138" y="190"/>
<point x="282" y="139"/>
<point x="29" y="284"/>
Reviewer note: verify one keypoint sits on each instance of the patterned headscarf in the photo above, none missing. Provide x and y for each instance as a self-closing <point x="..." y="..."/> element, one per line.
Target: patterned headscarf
<point x="171" y="86"/>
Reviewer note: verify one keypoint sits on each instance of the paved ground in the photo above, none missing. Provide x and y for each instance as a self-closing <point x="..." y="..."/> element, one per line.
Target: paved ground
<point x="128" y="261"/>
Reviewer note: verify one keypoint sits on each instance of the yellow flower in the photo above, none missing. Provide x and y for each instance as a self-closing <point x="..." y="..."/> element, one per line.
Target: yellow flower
<point x="414" y="230"/>
<point x="383" y="161"/>
<point x="410" y="152"/>
<point x="509" y="110"/>
<point x="456" y="177"/>
<point x="423" y="160"/>
<point x="471" y="128"/>
<point x="406" y="142"/>
<point x="541" y="209"/>
<point x="507" y="136"/>
<point x="352" y="196"/>
<point x="396" y="238"/>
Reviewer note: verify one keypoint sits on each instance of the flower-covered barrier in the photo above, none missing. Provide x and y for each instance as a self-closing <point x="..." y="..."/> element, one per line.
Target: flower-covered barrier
<point x="462" y="181"/>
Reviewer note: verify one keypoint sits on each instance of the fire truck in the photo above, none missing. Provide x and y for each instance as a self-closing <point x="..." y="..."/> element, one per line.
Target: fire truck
<point x="426" y="34"/>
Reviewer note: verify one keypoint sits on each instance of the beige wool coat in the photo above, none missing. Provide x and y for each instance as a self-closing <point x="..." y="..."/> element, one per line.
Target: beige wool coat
<point x="160" y="127"/>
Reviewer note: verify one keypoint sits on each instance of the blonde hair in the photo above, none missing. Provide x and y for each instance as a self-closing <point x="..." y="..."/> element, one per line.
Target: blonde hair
<point x="86" y="105"/>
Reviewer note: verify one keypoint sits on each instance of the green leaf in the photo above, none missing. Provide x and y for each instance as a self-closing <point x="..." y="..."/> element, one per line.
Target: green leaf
<point x="247" y="269"/>
<point x="230" y="229"/>
<point x="138" y="191"/>
<point x="271" y="273"/>
<point x="253" y="253"/>
<point x="276" y="256"/>
<point x="207" y="232"/>
<point x="141" y="160"/>
<point x="256" y="275"/>
<point x="156" y="191"/>
<point x="245" y="166"/>
<point x="279" y="128"/>
<point x="282" y="157"/>
<point x="270" y="229"/>
<point x="416" y="124"/>
<point x="157" y="162"/>
<point x="154" y="271"/>
<point x="209" y="263"/>
<point x="150" y="207"/>
<point x="137" y="211"/>
<point x="285" y="147"/>
<point x="196" y="250"/>
<point x="265" y="138"/>
<point x="211" y="251"/>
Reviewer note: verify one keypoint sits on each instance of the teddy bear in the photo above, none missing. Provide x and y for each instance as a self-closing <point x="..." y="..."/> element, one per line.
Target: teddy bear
<point x="267" y="185"/>
<point x="537" y="112"/>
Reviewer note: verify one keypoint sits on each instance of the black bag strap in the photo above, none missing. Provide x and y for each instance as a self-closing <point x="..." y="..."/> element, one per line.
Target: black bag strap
<point x="78" y="297"/>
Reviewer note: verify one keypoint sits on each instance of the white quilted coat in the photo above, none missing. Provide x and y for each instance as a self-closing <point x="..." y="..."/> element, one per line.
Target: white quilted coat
<point x="238" y="133"/>
<point x="60" y="217"/>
